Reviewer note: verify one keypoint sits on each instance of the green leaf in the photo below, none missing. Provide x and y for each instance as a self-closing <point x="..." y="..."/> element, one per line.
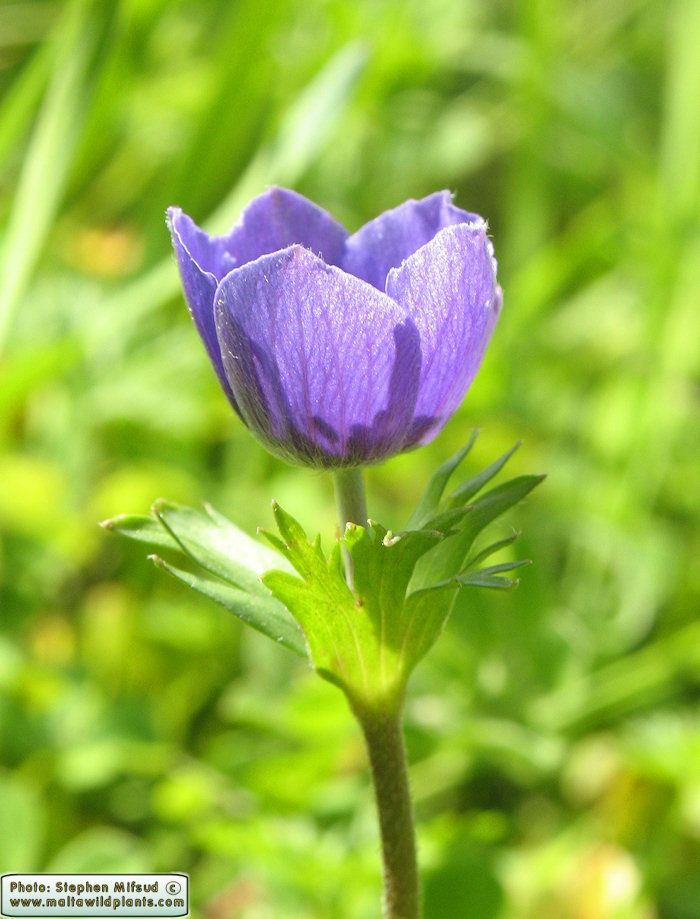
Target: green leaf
<point x="369" y="638"/>
<point x="338" y="635"/>
<point x="488" y="577"/>
<point x="472" y="486"/>
<point x="232" y="560"/>
<point x="500" y="499"/>
<point x="365" y="637"/>
<point x="408" y="623"/>
<point x="496" y="569"/>
<point x="326" y="612"/>
<point x="480" y="579"/>
<point x="275" y="541"/>
<point x="490" y="550"/>
<point x="448" y="559"/>
<point x="433" y="493"/>
<point x="358" y="638"/>
<point x="262" y="613"/>
<point x="425" y="614"/>
<point x="209" y="539"/>
<point x="21" y="98"/>
<point x="383" y="564"/>
<point x="217" y="545"/>
<point x="140" y="528"/>
<point x="308" y="559"/>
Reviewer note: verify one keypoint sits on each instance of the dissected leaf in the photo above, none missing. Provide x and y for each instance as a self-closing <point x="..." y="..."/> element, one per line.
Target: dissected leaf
<point x="425" y="614"/>
<point x="339" y="636"/>
<point x="472" y="486"/>
<point x="208" y="538"/>
<point x="263" y="613"/>
<point x="232" y="560"/>
<point x="489" y="577"/>
<point x="367" y="637"/>
<point x="448" y="559"/>
<point x="500" y="499"/>
<point x="217" y="545"/>
<point x="433" y="493"/>
<point x="383" y="565"/>
<point x="497" y="569"/>
<point x="141" y="528"/>
<point x="481" y="579"/>
<point x="364" y="640"/>
<point x="490" y="550"/>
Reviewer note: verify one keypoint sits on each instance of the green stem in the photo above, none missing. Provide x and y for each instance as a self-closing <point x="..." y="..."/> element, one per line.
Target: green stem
<point x="352" y="505"/>
<point x="350" y="497"/>
<point x="387" y="755"/>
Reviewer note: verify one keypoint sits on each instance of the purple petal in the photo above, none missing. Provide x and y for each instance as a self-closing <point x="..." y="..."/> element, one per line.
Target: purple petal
<point x="385" y="242"/>
<point x="450" y="292"/>
<point x="324" y="367"/>
<point x="194" y="252"/>
<point x="280" y="218"/>
<point x="275" y="220"/>
<point x="209" y="253"/>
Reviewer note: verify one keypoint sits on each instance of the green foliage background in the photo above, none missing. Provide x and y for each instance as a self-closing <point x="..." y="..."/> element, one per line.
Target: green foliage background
<point x="553" y="731"/>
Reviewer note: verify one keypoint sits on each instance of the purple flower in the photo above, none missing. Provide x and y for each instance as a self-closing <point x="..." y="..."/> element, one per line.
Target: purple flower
<point x="337" y="349"/>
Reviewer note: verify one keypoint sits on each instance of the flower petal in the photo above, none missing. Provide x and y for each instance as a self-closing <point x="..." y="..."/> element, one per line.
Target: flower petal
<point x="194" y="252"/>
<point x="385" y="242"/>
<point x="209" y="253"/>
<point x="324" y="367"/>
<point x="449" y="290"/>
<point x="274" y="220"/>
<point x="280" y="218"/>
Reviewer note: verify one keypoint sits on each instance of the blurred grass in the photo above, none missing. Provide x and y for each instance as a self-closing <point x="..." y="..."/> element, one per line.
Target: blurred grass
<point x="554" y="731"/>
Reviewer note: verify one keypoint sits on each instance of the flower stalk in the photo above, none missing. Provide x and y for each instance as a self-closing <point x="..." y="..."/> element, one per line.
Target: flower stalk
<point x="383" y="733"/>
<point x="350" y="497"/>
<point x="352" y="506"/>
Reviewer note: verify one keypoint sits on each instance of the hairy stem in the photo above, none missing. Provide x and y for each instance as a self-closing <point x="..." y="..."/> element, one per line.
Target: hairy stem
<point x="352" y="505"/>
<point x="350" y="497"/>
<point x="387" y="755"/>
